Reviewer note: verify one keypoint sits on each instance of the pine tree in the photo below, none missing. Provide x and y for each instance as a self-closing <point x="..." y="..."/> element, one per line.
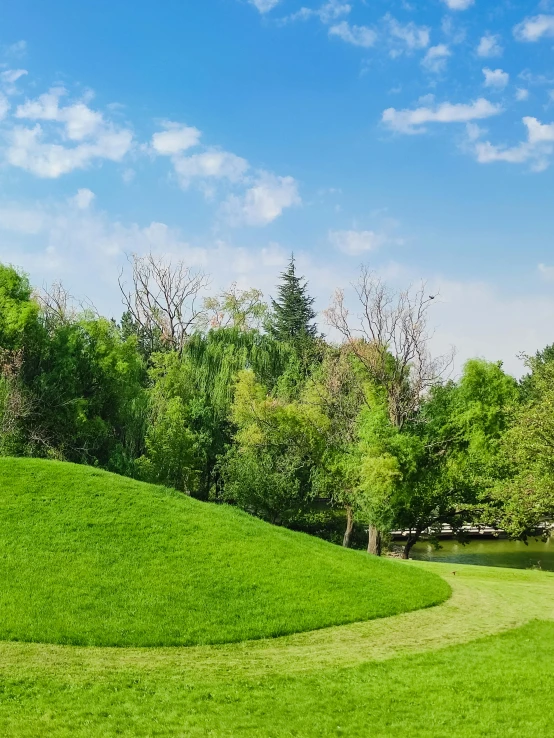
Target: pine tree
<point x="293" y="314"/>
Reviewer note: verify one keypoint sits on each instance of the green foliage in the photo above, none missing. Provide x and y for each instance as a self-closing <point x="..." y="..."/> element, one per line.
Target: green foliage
<point x="96" y="559"/>
<point x="86" y="382"/>
<point x="234" y="308"/>
<point x="436" y="469"/>
<point x="292" y="316"/>
<point x="190" y="398"/>
<point x="279" y="443"/>
<point x="176" y="444"/>
<point x="526" y="493"/>
<point x="265" y="484"/>
<point x="276" y="422"/>
<point x="18" y="312"/>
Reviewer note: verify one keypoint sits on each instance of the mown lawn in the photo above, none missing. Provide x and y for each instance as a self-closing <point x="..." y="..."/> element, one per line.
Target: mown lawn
<point x="498" y="686"/>
<point x="90" y="558"/>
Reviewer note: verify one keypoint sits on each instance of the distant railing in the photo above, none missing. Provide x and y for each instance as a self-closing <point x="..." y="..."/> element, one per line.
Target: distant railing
<point x="469" y="530"/>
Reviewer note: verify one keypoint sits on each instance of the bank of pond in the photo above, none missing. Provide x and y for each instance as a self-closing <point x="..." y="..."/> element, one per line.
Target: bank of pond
<point x="533" y="554"/>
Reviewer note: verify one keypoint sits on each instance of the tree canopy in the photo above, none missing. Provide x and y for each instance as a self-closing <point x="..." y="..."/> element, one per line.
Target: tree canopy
<point x="226" y="401"/>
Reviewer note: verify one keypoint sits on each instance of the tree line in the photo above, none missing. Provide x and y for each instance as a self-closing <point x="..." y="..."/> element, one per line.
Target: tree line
<point x="234" y="400"/>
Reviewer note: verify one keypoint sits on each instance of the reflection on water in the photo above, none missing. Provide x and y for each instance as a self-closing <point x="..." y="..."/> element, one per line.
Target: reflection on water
<point x="513" y="554"/>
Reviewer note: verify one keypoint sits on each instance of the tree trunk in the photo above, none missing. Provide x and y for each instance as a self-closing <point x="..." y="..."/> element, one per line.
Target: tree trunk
<point x="408" y="546"/>
<point x="374" y="541"/>
<point x="347" y="540"/>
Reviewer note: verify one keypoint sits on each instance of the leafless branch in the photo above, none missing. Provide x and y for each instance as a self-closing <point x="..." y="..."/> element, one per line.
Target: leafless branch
<point x="164" y="298"/>
<point x="390" y="338"/>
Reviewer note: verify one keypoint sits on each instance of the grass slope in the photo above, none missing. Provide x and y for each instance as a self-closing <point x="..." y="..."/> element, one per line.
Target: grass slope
<point x="496" y="686"/>
<point x="90" y="558"/>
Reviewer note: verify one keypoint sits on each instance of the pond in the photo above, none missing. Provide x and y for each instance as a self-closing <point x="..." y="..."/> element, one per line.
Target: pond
<point x="536" y="554"/>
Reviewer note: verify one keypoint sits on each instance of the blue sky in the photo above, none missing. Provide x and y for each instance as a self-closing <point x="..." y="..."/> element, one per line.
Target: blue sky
<point x="417" y="138"/>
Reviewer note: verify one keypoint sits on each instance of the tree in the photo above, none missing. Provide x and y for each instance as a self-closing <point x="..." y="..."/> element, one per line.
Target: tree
<point x="19" y="324"/>
<point x="390" y="340"/>
<point x="86" y="384"/>
<point x="292" y="316"/>
<point x="277" y="445"/>
<point x="336" y="390"/>
<point x="15" y="403"/>
<point x="189" y="404"/>
<point x="525" y="495"/>
<point x="164" y="301"/>
<point x="235" y="308"/>
<point x="448" y="452"/>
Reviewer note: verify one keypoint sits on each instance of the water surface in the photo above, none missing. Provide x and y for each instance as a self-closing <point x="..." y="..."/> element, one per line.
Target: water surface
<point x="491" y="552"/>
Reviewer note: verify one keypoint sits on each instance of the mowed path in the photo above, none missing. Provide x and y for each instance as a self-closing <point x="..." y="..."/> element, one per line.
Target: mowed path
<point x="484" y="602"/>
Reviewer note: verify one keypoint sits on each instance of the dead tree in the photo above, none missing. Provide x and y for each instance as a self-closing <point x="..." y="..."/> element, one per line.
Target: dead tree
<point x="56" y="304"/>
<point x="390" y="339"/>
<point x="165" y="299"/>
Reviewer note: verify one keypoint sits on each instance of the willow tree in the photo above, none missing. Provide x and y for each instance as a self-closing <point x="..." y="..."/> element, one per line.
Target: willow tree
<point x="190" y="399"/>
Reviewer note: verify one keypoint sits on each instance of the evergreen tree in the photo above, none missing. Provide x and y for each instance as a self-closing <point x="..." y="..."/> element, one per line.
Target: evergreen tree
<point x="293" y="314"/>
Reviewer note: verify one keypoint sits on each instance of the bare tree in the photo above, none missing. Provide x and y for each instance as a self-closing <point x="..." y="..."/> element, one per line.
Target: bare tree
<point x="15" y="403"/>
<point x="56" y="304"/>
<point x="390" y="338"/>
<point x="164" y="299"/>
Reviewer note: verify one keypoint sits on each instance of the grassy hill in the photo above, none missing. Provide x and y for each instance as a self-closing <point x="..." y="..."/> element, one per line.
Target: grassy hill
<point x="90" y="558"/>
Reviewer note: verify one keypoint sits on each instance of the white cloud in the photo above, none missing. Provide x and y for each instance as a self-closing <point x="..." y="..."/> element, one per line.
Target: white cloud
<point x="257" y="197"/>
<point x="489" y="46"/>
<point x="356" y="242"/>
<point x="333" y="9"/>
<point x="521" y="94"/>
<point x="27" y="221"/>
<point x="327" y="13"/>
<point x="175" y="138"/>
<point x="80" y="121"/>
<point x="435" y="59"/>
<point x="86" y="249"/>
<point x="534" y="28"/>
<point x="264" y="6"/>
<point x="4" y="106"/>
<point x="408" y="37"/>
<point x="454" y="32"/>
<point x="355" y="35"/>
<point x="83" y="199"/>
<point x="263" y="202"/>
<point x="10" y="76"/>
<point x="44" y="107"/>
<point x="18" y="49"/>
<point x="536" y="150"/>
<point x="211" y="164"/>
<point x="496" y="78"/>
<point x="535" y="79"/>
<point x="458" y="4"/>
<point x="413" y="121"/>
<point x="27" y="150"/>
<point x="45" y="153"/>
<point x="481" y="320"/>
<point x="546" y="272"/>
<point x="539" y="132"/>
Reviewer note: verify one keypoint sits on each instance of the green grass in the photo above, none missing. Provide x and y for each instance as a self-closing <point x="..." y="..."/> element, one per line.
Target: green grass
<point x="496" y="686"/>
<point x="90" y="558"/>
<point x="481" y="664"/>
